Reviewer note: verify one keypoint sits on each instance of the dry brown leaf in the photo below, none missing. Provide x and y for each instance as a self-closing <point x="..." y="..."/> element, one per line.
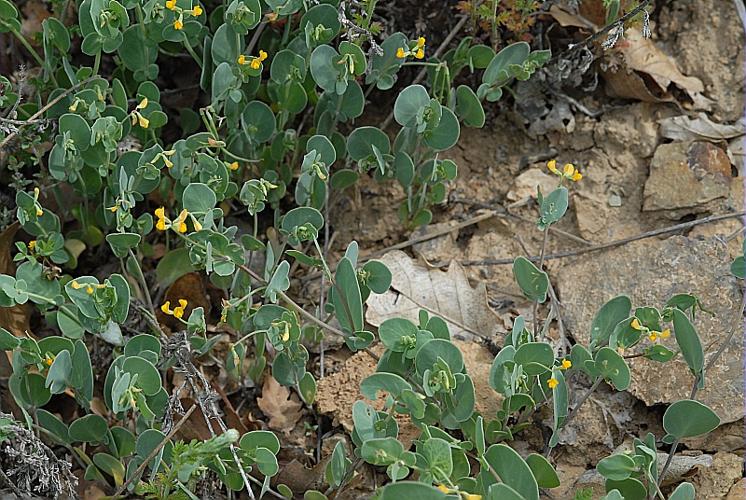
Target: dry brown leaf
<point x="565" y="18"/>
<point x="445" y="294"/>
<point x="684" y="128"/>
<point x="282" y="408"/>
<point x="34" y="13"/>
<point x="641" y="54"/>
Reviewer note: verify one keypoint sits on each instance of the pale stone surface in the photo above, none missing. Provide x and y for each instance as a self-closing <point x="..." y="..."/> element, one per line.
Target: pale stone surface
<point x="650" y="272"/>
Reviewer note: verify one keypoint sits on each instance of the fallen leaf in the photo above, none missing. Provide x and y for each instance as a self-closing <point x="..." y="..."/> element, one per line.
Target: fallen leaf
<point x="566" y="18"/>
<point x="445" y="294"/>
<point x="684" y="128"/>
<point x="642" y="55"/>
<point x="282" y="408"/>
<point x="34" y="13"/>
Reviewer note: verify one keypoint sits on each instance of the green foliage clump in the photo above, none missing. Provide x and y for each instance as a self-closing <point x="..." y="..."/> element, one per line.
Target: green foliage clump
<point x="276" y="139"/>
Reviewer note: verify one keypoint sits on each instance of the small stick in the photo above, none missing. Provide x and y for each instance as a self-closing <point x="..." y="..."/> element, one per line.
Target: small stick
<point x="43" y="110"/>
<point x="604" y="246"/>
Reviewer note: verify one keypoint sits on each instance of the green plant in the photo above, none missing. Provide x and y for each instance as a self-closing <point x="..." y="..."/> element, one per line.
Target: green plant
<point x="283" y="83"/>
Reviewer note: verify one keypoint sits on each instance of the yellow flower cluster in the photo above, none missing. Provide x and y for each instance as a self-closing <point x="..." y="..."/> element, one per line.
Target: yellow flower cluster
<point x="179" y="224"/>
<point x="653" y="335"/>
<point x="177" y="311"/>
<point x="418" y="52"/>
<point x="89" y="287"/>
<point x="568" y="172"/>
<point x="137" y="117"/>
<point x="195" y="11"/>
<point x="253" y="62"/>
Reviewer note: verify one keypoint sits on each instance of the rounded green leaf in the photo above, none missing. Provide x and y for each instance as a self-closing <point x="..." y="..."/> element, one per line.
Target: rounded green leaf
<point x="361" y="141"/>
<point x="533" y="282"/>
<point x="258" y="122"/>
<point x="198" y="198"/>
<point x="688" y="418"/>
<point x="688" y="340"/>
<point x="617" y="467"/>
<point x="613" y="368"/>
<point x="89" y="429"/>
<point x="468" y="107"/>
<point x="409" y="103"/>
<point x="439" y="348"/>
<point x="446" y="134"/>
<point x="512" y="470"/>
<point x="148" y="377"/>
<point x="546" y="476"/>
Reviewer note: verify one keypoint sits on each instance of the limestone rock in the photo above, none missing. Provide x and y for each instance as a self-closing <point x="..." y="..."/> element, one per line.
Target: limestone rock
<point x="685" y="176"/>
<point x="650" y="272"/>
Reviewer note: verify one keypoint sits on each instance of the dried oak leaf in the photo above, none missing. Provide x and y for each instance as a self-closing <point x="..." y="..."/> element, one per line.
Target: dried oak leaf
<point x="445" y="294"/>
<point x="282" y="408"/>
<point x="642" y="57"/>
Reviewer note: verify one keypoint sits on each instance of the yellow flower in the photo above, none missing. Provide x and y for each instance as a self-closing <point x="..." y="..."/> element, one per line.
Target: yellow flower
<point x="36" y="192"/>
<point x="470" y="496"/>
<point x="242" y="59"/>
<point x="113" y="209"/>
<point x="443" y="488"/>
<point x="256" y="62"/>
<point x="89" y="290"/>
<point x="572" y="173"/>
<point x="196" y="223"/>
<point x="566" y="364"/>
<point x="160" y="214"/>
<point x="419" y="54"/>
<point x="665" y="333"/>
<point x="171" y="4"/>
<point x="178" y="25"/>
<point x="636" y="324"/>
<point x="179" y="311"/>
<point x="75" y="285"/>
<point x="400" y="53"/>
<point x="196" y="11"/>
<point x="167" y="162"/>
<point x="32" y="244"/>
<point x="233" y="166"/>
<point x="180" y="221"/>
<point x="552" y="166"/>
<point x="39" y="212"/>
<point x="420" y="42"/>
<point x="653" y="336"/>
<point x="552" y="383"/>
<point x="48" y="360"/>
<point x="142" y="121"/>
<point x="143" y="104"/>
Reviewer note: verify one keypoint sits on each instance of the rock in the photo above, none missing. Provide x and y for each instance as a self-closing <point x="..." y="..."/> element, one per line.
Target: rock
<point x="717" y="481"/>
<point x="728" y="437"/>
<point x="441" y="248"/>
<point x="601" y="423"/>
<point x="708" y="50"/>
<point x="525" y="184"/>
<point x="650" y="272"/>
<point x="738" y="490"/>
<point x="684" y="176"/>
<point x="478" y="361"/>
<point x="337" y="392"/>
